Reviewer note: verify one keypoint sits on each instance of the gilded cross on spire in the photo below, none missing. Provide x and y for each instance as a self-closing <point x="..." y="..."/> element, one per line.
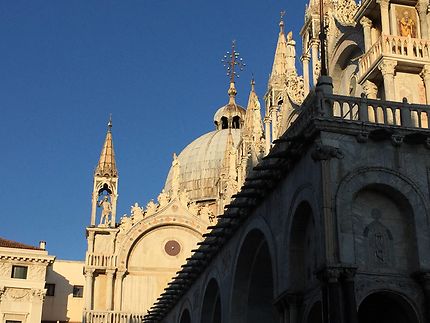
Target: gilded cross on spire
<point x="233" y="62"/>
<point x="281" y="23"/>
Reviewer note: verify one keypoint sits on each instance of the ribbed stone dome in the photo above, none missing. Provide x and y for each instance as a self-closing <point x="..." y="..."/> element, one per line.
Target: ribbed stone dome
<point x="200" y="164"/>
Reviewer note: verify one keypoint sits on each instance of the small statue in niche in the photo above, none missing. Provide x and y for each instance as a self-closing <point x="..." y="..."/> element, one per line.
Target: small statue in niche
<point x="193" y="208"/>
<point x="206" y="212"/>
<point x="136" y="212"/>
<point x="163" y="198"/>
<point x="106" y="206"/>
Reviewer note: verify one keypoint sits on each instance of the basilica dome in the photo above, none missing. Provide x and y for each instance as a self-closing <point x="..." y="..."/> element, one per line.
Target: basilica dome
<point x="200" y="164"/>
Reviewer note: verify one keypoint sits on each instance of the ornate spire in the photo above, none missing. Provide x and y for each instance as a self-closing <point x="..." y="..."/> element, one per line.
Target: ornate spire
<point x="234" y="64"/>
<point x="107" y="164"/>
<point x="279" y="68"/>
<point x="253" y="125"/>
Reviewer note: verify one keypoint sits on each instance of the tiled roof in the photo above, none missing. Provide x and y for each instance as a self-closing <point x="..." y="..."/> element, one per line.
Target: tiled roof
<point x="13" y="244"/>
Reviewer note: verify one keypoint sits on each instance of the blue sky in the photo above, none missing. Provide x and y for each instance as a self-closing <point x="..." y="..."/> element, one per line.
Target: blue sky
<point x="154" y="64"/>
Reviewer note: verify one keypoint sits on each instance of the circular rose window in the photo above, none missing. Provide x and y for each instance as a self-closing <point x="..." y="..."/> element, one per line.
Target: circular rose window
<point x="172" y="247"/>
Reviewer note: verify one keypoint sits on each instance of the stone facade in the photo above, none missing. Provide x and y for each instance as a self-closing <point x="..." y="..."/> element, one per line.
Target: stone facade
<point x="22" y="281"/>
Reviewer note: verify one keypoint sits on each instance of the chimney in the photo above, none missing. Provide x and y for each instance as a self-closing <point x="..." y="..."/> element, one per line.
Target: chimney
<point x="42" y="245"/>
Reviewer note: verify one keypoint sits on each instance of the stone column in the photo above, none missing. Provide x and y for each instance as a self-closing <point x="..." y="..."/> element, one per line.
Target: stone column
<point x="267" y="133"/>
<point x="424" y="280"/>
<point x="118" y="289"/>
<point x="367" y="28"/>
<point x="385" y="16"/>
<point x="288" y="305"/>
<point x="274" y="121"/>
<point x="109" y="288"/>
<point x="425" y="74"/>
<point x="348" y="285"/>
<point x="94" y="209"/>
<point x="314" y="53"/>
<point x="305" y="61"/>
<point x="387" y="68"/>
<point x="89" y="280"/>
<point x="332" y="300"/>
<point x="422" y="8"/>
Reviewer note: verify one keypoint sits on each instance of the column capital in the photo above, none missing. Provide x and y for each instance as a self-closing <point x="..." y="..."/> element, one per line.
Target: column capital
<point x="383" y="3"/>
<point x="110" y="272"/>
<point x="370" y="89"/>
<point x="89" y="272"/>
<point x="366" y="22"/>
<point x="305" y="57"/>
<point x="422" y="6"/>
<point x="387" y="67"/>
<point x="314" y="42"/>
<point x="425" y="73"/>
<point x="329" y="275"/>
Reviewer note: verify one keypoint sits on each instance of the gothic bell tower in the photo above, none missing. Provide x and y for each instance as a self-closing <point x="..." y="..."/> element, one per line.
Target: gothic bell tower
<point x="105" y="187"/>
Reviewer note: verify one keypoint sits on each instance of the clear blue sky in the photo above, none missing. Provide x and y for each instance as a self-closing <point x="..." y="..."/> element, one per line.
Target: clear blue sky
<point x="154" y="64"/>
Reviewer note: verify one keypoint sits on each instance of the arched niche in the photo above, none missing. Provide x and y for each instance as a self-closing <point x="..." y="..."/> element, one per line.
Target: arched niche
<point x="211" y="306"/>
<point x="302" y="255"/>
<point x="253" y="283"/>
<point x="386" y="307"/>
<point x="380" y="201"/>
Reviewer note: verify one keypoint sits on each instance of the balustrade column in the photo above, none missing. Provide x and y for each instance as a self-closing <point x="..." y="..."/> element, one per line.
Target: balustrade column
<point x="385" y="16"/>
<point x="387" y="68"/>
<point x="315" y="60"/>
<point x="367" y="27"/>
<point x="89" y="276"/>
<point x="109" y="288"/>
<point x="425" y="74"/>
<point x="305" y="60"/>
<point x="422" y="8"/>
<point x="118" y="289"/>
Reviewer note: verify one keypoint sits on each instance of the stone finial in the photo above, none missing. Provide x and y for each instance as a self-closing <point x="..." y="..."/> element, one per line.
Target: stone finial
<point x="107" y="165"/>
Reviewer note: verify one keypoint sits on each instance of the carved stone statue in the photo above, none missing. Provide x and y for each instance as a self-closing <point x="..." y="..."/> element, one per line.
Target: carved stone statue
<point x="193" y="208"/>
<point x="136" y="212"/>
<point x="106" y="211"/>
<point x="206" y="212"/>
<point x="175" y="175"/>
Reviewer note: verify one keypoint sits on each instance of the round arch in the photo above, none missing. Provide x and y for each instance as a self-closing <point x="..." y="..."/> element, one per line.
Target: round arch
<point x="386" y="307"/>
<point x="253" y="283"/>
<point x="211" y="311"/>
<point x="404" y="190"/>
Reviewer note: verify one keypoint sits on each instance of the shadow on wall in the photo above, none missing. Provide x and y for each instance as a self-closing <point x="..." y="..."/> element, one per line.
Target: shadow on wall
<point x="55" y="306"/>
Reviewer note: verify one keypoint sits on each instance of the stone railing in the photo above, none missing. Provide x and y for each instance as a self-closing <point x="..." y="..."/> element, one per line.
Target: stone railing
<point x="112" y="317"/>
<point x="395" y="47"/>
<point x="401" y="114"/>
<point x="101" y="260"/>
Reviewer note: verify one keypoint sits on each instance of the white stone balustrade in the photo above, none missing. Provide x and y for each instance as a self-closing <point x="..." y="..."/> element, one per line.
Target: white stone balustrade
<point x="101" y="260"/>
<point x="413" y="49"/>
<point x="112" y="317"/>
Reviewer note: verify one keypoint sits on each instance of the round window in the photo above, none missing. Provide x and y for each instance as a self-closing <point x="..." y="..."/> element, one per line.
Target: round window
<point x="172" y="247"/>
